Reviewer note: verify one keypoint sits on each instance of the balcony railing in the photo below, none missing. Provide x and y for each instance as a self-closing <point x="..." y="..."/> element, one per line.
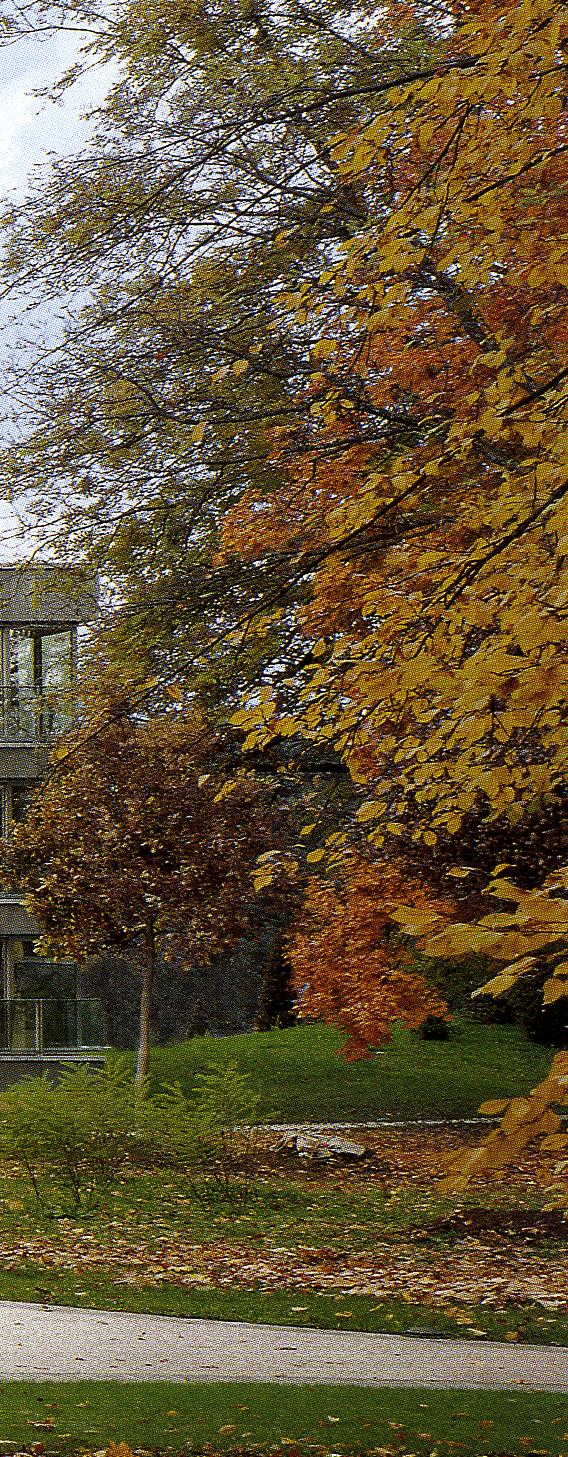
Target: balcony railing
<point x="50" y="1024"/>
<point x="28" y="716"/>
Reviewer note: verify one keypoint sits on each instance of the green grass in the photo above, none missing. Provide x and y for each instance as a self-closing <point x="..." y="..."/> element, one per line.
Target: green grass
<point x="68" y="1416"/>
<point x="298" y="1074"/>
<point x="88" y="1289"/>
<point x="153" y="1214"/>
<point x="156" y="1213"/>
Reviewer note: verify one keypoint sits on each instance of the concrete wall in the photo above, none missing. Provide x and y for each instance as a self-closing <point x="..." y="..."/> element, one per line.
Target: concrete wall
<point x="47" y="595"/>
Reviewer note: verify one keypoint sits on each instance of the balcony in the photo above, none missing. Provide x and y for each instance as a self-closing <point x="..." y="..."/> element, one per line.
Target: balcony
<point x="30" y="717"/>
<point x="50" y="1025"/>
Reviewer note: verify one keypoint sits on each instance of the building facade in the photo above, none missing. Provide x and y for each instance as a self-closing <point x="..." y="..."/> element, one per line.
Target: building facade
<point x="44" y="1019"/>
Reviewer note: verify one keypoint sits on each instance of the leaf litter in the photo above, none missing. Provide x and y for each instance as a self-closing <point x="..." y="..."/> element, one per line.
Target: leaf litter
<point x="484" y="1254"/>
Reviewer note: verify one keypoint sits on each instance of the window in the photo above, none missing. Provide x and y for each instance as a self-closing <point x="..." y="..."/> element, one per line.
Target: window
<point x="37" y="976"/>
<point x="22" y="795"/>
<point x="39" y="668"/>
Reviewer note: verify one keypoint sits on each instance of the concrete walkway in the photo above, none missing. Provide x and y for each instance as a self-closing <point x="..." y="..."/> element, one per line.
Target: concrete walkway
<point x="38" y="1342"/>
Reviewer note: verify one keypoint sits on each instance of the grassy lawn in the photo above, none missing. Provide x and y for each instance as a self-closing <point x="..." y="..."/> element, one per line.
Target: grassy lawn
<point x="375" y="1246"/>
<point x="529" y="1323"/>
<point x="372" y="1248"/>
<point x="298" y="1074"/>
<point x="70" y="1416"/>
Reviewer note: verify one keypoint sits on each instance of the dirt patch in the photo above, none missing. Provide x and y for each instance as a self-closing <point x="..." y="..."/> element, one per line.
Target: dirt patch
<point x="526" y="1224"/>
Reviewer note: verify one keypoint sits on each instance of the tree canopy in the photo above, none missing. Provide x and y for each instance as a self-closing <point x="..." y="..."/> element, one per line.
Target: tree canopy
<point x="209" y="189"/>
<point x="436" y="553"/>
<point x="133" y="843"/>
<point x="436" y="616"/>
<point x="313" y="410"/>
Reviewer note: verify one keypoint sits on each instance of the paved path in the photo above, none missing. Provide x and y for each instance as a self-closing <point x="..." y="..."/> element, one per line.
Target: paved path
<point x="48" y="1341"/>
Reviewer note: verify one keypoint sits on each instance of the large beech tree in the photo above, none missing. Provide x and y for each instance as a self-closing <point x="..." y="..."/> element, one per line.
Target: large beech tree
<point x="130" y="845"/>
<point x="436" y="619"/>
<point x="208" y="190"/>
<point x="386" y="424"/>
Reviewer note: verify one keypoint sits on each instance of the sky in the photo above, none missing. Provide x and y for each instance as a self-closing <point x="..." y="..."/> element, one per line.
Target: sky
<point x="30" y="129"/>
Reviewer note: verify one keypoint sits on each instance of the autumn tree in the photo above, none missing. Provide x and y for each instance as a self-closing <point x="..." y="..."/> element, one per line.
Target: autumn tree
<point x="436" y="616"/>
<point x="209" y="190"/>
<point x="435" y="556"/>
<point x="387" y="465"/>
<point x="135" y="843"/>
<point x="351" y="966"/>
<point x="185" y="365"/>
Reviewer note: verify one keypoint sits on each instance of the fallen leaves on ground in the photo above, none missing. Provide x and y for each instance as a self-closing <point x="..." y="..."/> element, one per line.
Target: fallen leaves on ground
<point x="476" y="1273"/>
<point x="492" y="1260"/>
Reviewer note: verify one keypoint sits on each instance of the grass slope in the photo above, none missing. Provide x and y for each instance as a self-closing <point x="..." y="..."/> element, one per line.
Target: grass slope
<point x="67" y="1416"/>
<point x="298" y="1074"/>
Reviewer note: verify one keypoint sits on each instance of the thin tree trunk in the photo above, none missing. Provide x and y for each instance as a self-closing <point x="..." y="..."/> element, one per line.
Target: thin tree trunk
<point x="148" y="973"/>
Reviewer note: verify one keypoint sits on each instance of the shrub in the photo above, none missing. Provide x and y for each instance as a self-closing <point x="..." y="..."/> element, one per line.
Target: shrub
<point x="434" y="1029"/>
<point x="71" y="1138"/>
<point x="74" y="1138"/>
<point x="211" y="1133"/>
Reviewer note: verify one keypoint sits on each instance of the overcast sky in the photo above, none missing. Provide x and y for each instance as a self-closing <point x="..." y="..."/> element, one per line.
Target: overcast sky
<point x="30" y="129"/>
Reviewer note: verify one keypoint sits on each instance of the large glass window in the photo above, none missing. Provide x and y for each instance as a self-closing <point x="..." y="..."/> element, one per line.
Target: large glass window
<point x="40" y="1008"/>
<point x="36" y="976"/>
<point x="22" y="795"/>
<point x="53" y="652"/>
<point x="21" y="684"/>
<point x="39" y="672"/>
<point x="55" y="648"/>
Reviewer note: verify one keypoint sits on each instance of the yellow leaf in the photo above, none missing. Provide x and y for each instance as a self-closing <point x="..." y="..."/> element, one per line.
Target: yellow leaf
<point x="498" y="984"/>
<point x="369" y="811"/>
<point x="455" y="940"/>
<point x="554" y="989"/>
<point x="415" y="922"/>
<point x="262" y="879"/>
<point x="324" y="348"/>
<point x="505" y="890"/>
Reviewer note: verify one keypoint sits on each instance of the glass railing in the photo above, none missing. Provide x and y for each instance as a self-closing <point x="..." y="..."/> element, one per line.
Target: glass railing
<point x="27" y="715"/>
<point x="51" y="1024"/>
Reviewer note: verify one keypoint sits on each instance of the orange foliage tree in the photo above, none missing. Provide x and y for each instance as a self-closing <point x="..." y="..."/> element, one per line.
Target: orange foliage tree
<point x="426" y="497"/>
<point x="350" y="966"/>
<point x="413" y="529"/>
<point x="425" y="504"/>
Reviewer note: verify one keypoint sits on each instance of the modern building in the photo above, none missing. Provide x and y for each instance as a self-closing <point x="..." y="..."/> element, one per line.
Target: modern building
<point x="44" y="1019"/>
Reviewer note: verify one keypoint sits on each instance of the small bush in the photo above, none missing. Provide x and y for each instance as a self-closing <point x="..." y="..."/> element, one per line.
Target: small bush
<point x="434" y="1029"/>
<point x="212" y="1132"/>
<point x="73" y="1139"/>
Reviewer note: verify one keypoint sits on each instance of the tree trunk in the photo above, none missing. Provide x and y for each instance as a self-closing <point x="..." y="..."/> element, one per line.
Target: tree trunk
<point x="276" y="1002"/>
<point x="148" y="973"/>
